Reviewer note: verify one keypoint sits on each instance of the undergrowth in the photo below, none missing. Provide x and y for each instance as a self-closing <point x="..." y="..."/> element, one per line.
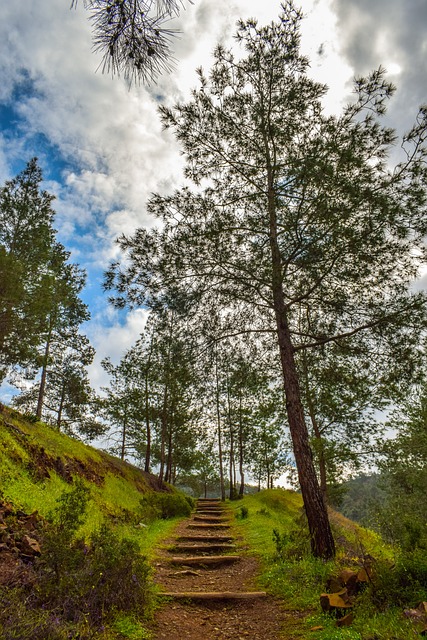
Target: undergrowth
<point x="97" y="530"/>
<point x="276" y="530"/>
<point x="77" y="588"/>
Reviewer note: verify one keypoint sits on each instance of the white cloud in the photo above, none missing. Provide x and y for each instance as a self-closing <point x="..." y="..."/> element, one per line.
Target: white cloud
<point x="114" y="151"/>
<point x="113" y="341"/>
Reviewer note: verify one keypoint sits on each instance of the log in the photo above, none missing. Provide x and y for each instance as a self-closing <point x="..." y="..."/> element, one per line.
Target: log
<point x="215" y="595"/>
<point x="207" y="560"/>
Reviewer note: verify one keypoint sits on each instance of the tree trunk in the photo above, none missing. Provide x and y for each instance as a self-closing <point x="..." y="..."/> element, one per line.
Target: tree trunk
<point x="147" y="424"/>
<point x="163" y="435"/>
<point x="242" y="475"/>
<point x="44" y="374"/>
<point x="124" y="435"/>
<point x="61" y="406"/>
<point x="231" y="466"/>
<point x="320" y="452"/>
<point x="322" y="542"/>
<point x="218" y="416"/>
<point x="168" y="474"/>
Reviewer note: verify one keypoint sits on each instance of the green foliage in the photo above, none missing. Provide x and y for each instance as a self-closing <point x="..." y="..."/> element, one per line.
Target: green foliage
<point x="403" y="583"/>
<point x="130" y="628"/>
<point x="165" y="505"/>
<point x="242" y="513"/>
<point x="403" y="515"/>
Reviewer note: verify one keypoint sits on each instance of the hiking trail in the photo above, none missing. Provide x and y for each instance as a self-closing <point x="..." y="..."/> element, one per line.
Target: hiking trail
<point x="209" y="581"/>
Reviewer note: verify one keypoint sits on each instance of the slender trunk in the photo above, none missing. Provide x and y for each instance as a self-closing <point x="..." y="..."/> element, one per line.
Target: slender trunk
<point x="320" y="452"/>
<point x="124" y="435"/>
<point x="231" y="466"/>
<point x="322" y="542"/>
<point x="168" y="474"/>
<point x="232" y="469"/>
<point x="61" y="406"/>
<point x="147" y="423"/>
<point x="241" y="452"/>
<point x="163" y="434"/>
<point x="218" y="417"/>
<point x="42" y="387"/>
<point x="317" y="433"/>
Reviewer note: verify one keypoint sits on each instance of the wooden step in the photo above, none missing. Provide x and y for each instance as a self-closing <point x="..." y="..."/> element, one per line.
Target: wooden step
<point x="209" y="519"/>
<point x="212" y="538"/>
<point x="200" y="525"/>
<point x="215" y="595"/>
<point x="204" y="560"/>
<point x="208" y="548"/>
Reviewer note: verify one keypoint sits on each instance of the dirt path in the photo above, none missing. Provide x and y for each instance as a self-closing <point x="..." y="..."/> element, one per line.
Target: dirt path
<point x="212" y="584"/>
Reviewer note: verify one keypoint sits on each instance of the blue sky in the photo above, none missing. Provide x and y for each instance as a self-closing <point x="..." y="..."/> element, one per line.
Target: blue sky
<point x="100" y="144"/>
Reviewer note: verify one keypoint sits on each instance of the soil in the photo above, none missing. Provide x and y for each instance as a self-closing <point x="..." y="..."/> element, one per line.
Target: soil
<point x="259" y="618"/>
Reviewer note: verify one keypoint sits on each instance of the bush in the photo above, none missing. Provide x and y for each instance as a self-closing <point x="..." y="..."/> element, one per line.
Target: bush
<point x="165" y="505"/>
<point x="111" y="576"/>
<point x="242" y="513"/>
<point x="404" y="584"/>
<point x="76" y="588"/>
<point x="295" y="543"/>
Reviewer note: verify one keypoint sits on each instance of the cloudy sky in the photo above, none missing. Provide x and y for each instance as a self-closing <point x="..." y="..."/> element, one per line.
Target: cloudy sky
<point x="101" y="146"/>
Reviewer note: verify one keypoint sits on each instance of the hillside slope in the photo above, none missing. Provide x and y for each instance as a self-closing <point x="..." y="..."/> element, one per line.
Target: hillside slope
<point x="37" y="464"/>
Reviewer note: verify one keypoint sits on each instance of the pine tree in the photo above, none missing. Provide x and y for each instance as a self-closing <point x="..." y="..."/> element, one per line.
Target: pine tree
<point x="291" y="210"/>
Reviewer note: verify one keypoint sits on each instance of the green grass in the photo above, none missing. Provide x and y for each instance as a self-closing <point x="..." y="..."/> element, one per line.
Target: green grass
<point x="290" y="572"/>
<point x="33" y="457"/>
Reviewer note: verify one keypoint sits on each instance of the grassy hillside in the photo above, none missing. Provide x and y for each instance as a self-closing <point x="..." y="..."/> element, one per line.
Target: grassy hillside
<point x="273" y="525"/>
<point x="37" y="464"/>
<point x="76" y="529"/>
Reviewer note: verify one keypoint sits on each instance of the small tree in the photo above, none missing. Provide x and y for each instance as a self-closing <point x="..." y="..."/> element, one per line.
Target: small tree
<point x="26" y="242"/>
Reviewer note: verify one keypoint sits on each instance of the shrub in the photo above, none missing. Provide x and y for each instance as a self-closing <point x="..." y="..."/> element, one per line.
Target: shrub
<point x="404" y="584"/>
<point x="112" y="576"/>
<point x="165" y="505"/>
<point x="60" y="555"/>
<point x="76" y="587"/>
<point x="242" y="513"/>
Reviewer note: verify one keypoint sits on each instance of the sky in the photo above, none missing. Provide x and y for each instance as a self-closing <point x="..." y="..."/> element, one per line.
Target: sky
<point x="100" y="143"/>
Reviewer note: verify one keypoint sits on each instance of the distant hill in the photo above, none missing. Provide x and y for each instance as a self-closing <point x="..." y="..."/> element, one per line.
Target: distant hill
<point x="361" y="497"/>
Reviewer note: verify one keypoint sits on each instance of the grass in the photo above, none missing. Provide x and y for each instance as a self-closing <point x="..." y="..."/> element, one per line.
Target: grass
<point x="291" y="573"/>
<point x="38" y="465"/>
